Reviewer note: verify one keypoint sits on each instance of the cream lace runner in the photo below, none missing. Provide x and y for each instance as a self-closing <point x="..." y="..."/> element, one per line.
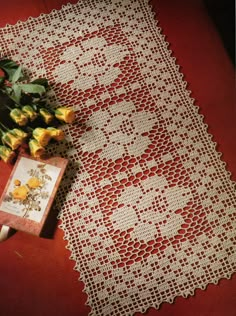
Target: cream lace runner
<point x="150" y="212"/>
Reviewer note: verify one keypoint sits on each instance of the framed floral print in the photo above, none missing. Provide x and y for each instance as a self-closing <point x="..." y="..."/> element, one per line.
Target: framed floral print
<point x="30" y="191"/>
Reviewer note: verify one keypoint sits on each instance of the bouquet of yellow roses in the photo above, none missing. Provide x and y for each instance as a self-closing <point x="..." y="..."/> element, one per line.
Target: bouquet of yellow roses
<point x="25" y="117"/>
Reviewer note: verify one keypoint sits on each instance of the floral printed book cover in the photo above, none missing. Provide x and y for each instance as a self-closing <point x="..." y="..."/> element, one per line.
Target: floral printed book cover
<point x="30" y="191"/>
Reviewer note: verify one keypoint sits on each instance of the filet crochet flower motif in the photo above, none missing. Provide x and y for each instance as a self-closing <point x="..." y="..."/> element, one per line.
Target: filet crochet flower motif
<point x="126" y="127"/>
<point x="94" y="61"/>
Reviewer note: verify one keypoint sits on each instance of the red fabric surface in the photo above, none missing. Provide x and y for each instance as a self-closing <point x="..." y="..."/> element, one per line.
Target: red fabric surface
<point x="36" y="275"/>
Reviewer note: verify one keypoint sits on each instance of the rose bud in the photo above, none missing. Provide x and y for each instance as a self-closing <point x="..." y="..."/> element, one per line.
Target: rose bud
<point x="11" y="140"/>
<point x="6" y="154"/>
<point x="42" y="135"/>
<point x="18" y="117"/>
<point x="19" y="133"/>
<point x="65" y="114"/>
<point x="2" y="73"/>
<point x="29" y="112"/>
<point x="46" y="115"/>
<point x="36" y="150"/>
<point x="2" y="76"/>
<point x="17" y="182"/>
<point x="56" y="133"/>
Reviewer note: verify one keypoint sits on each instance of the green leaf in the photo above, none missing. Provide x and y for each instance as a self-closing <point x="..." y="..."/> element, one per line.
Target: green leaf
<point x="16" y="93"/>
<point x="8" y="63"/>
<point x="41" y="82"/>
<point x="9" y="66"/>
<point x="32" y="88"/>
<point x="17" y="75"/>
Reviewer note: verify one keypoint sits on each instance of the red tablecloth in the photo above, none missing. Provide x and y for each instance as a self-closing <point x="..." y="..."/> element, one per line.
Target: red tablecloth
<point x="36" y="275"/>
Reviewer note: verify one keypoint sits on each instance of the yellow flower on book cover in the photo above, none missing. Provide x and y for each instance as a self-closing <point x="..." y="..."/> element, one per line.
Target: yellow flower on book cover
<point x="34" y="183"/>
<point x="17" y="182"/>
<point x="20" y="193"/>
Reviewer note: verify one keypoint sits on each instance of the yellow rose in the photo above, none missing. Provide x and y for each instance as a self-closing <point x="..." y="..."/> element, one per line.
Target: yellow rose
<point x="6" y="154"/>
<point x="34" y="183"/>
<point x="29" y="112"/>
<point x="65" y="114"/>
<point x="42" y="136"/>
<point x="36" y="150"/>
<point x="19" y="117"/>
<point x="19" y="133"/>
<point x="46" y="115"/>
<point x="56" y="133"/>
<point x="17" y="182"/>
<point x="20" y="193"/>
<point x="11" y="140"/>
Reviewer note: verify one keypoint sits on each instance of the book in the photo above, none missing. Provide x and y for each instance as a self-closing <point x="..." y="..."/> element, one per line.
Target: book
<point x="30" y="191"/>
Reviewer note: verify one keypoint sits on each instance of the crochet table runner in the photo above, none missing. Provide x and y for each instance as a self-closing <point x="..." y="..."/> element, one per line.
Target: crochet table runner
<point x="147" y="206"/>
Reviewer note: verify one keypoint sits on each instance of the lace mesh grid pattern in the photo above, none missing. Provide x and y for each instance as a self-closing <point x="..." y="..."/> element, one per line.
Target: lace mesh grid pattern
<point x="147" y="207"/>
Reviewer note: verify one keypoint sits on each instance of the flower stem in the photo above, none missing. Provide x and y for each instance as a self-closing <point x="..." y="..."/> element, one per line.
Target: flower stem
<point x="1" y="131"/>
<point x="4" y="126"/>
